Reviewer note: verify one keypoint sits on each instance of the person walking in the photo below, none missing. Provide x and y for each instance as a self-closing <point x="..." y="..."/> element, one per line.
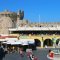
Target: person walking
<point x="32" y="57"/>
<point x="21" y="52"/>
<point x="50" y="55"/>
<point x="35" y="58"/>
<point x="29" y="52"/>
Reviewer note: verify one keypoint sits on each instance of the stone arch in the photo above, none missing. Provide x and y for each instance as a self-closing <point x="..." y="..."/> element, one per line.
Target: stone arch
<point x="48" y="42"/>
<point x="57" y="41"/>
<point x="37" y="42"/>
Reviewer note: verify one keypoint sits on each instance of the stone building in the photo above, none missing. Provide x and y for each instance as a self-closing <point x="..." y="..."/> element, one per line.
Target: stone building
<point x="9" y="20"/>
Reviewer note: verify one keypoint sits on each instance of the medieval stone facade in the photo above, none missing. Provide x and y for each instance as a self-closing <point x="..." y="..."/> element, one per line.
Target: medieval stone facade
<point x="9" y="20"/>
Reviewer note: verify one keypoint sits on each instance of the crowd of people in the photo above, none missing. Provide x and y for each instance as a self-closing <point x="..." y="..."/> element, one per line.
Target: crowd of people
<point x="29" y="53"/>
<point x="31" y="56"/>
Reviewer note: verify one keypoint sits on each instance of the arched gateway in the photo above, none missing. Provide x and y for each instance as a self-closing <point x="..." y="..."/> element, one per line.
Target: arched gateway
<point x="57" y="41"/>
<point x="37" y="42"/>
<point x="48" y="42"/>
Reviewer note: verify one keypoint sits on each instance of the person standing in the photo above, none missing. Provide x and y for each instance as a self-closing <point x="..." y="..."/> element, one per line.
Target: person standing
<point x="2" y="53"/>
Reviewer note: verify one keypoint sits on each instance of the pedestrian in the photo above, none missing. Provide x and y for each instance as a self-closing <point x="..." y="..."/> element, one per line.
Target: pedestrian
<point x="5" y="50"/>
<point x="31" y="56"/>
<point x="21" y="52"/>
<point x="50" y="55"/>
<point x="35" y="58"/>
<point x="29" y="52"/>
<point x="2" y="53"/>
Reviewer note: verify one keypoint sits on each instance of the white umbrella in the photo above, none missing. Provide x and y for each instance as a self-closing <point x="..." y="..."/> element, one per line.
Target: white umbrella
<point x="16" y="43"/>
<point x="12" y="39"/>
<point x="7" y="42"/>
<point x="27" y="41"/>
<point x="2" y="40"/>
<point x="31" y="42"/>
<point x="24" y="44"/>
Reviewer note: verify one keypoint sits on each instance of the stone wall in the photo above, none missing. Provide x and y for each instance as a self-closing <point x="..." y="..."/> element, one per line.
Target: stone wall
<point x="9" y="20"/>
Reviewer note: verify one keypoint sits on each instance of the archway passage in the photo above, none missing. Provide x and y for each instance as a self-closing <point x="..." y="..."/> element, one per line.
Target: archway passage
<point x="57" y="41"/>
<point x="37" y="42"/>
<point x="48" y="42"/>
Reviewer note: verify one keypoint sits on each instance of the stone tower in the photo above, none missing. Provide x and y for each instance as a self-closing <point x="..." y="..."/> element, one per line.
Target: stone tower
<point x="7" y="20"/>
<point x="20" y="16"/>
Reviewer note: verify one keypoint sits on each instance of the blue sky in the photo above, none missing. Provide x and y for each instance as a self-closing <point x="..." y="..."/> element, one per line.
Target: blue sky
<point x="35" y="10"/>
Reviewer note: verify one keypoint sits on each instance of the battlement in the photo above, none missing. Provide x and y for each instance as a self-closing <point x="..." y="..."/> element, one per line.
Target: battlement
<point x="20" y="15"/>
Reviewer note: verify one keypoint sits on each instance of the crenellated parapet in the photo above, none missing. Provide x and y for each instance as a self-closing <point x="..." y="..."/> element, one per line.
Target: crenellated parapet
<point x="20" y="15"/>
